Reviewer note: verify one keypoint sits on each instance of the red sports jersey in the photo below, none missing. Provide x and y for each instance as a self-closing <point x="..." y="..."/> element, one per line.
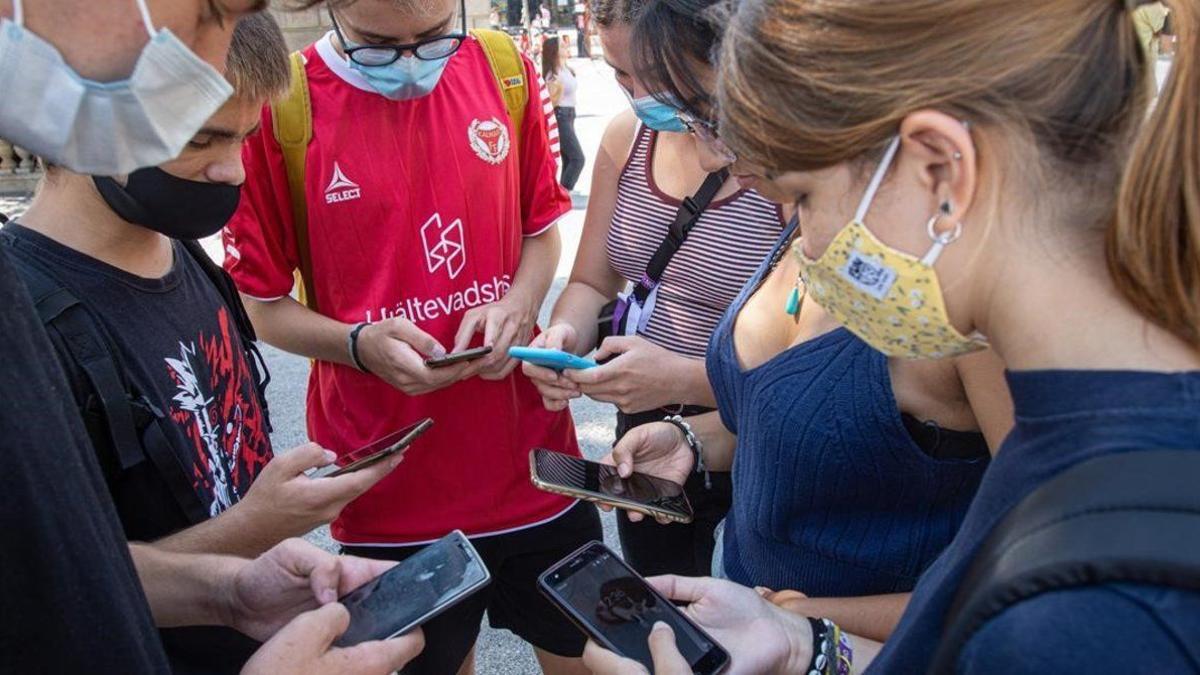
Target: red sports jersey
<point x="416" y="209"/>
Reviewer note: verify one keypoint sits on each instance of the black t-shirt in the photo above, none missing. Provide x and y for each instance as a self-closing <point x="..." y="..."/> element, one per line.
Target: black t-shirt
<point x="178" y="347"/>
<point x="70" y="599"/>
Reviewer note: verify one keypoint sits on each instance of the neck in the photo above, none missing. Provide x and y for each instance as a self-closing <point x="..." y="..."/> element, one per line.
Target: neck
<point x="1055" y="307"/>
<point x="69" y="210"/>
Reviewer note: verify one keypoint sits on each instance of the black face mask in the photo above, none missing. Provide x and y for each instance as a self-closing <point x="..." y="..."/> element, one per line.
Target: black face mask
<point x="176" y="207"/>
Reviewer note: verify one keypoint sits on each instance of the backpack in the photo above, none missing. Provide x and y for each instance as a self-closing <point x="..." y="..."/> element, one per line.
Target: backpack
<point x="116" y="416"/>
<point x="292" y="119"/>
<point x="1130" y="517"/>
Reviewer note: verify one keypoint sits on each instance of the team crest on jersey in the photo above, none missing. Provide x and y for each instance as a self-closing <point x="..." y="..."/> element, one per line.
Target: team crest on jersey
<point x="489" y="139"/>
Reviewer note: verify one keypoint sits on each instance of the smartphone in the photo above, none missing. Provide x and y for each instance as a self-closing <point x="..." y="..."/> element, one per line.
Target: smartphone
<point x="554" y="359"/>
<point x="458" y="357"/>
<point x="373" y="452"/>
<point x="614" y="606"/>
<point x="574" y="477"/>
<point x="433" y="580"/>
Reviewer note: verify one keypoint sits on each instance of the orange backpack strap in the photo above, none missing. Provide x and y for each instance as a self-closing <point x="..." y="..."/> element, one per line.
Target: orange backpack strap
<point x="292" y="118"/>
<point x="509" y="69"/>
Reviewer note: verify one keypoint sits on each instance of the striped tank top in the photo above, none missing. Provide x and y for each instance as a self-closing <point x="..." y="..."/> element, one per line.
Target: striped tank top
<point x="724" y="249"/>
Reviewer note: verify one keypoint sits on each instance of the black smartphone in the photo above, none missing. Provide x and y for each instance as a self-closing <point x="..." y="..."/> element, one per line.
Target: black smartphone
<point x="614" y="606"/>
<point x="458" y="357"/>
<point x="434" y="579"/>
<point x="574" y="477"/>
<point x="373" y="452"/>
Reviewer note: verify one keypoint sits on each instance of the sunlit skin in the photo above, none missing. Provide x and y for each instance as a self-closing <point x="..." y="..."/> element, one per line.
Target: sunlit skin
<point x="102" y="40"/>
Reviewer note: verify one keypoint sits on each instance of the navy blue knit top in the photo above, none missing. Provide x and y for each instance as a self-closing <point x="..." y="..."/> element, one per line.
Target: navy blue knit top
<point x="831" y="495"/>
<point x="1065" y="418"/>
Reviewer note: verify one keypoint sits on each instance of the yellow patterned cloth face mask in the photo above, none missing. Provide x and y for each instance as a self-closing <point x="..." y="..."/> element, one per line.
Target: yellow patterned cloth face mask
<point x="890" y="299"/>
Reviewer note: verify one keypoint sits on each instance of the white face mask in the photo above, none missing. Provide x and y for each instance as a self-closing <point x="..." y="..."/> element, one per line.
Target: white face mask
<point x="104" y="128"/>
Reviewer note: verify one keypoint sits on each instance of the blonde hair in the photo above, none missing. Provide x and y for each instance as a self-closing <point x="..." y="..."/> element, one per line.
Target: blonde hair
<point x="808" y="84"/>
<point x="257" y="66"/>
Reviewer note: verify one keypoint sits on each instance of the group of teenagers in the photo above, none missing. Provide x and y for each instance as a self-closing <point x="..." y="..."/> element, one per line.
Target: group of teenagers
<point x="862" y="276"/>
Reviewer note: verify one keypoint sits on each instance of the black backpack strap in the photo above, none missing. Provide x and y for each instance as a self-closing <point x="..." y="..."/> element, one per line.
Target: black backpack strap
<point x="61" y="311"/>
<point x="227" y="289"/>
<point x="1130" y="517"/>
<point x="132" y="422"/>
<point x="685" y="219"/>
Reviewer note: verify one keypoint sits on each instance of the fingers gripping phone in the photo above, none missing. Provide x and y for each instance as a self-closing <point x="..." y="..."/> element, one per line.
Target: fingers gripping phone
<point x="374" y="452"/>
<point x="574" y="477"/>
<point x="614" y="606"/>
<point x="458" y="357"/>
<point x="433" y="580"/>
<point x="555" y="359"/>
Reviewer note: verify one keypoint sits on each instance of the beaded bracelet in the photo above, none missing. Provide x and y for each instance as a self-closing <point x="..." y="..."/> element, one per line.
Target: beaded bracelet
<point x="693" y="443"/>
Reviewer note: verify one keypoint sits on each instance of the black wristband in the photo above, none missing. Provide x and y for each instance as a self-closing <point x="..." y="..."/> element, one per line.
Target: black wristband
<point x="352" y="342"/>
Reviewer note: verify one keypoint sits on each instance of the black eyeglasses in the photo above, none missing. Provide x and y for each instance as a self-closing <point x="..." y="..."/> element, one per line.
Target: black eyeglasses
<point x="429" y="49"/>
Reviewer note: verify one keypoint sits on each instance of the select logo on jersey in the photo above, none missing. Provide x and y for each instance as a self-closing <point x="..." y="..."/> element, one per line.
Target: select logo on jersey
<point x="445" y="245"/>
<point x="341" y="188"/>
<point x="489" y="139"/>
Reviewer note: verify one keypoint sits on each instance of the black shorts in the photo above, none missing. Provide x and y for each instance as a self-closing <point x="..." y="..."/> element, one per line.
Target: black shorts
<point x="512" y="600"/>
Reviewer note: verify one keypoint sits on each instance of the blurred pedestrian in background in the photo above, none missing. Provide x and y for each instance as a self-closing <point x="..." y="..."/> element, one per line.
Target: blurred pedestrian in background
<point x="563" y="84"/>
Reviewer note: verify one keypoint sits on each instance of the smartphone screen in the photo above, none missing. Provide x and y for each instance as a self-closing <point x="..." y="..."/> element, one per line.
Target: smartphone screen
<point x="602" y="482"/>
<point x="617" y="608"/>
<point x="458" y="357"/>
<point x="374" y="452"/>
<point x="414" y="591"/>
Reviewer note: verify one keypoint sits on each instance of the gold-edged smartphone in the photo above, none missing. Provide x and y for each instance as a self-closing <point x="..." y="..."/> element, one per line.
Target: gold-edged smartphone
<point x="595" y="482"/>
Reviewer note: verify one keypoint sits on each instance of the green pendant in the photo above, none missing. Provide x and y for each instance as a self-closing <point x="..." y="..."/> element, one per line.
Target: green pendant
<point x="793" y="301"/>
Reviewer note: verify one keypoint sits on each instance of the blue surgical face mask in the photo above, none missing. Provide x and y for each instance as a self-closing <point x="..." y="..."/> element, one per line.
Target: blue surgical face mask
<point x="104" y="128"/>
<point x="657" y="115"/>
<point x="407" y="78"/>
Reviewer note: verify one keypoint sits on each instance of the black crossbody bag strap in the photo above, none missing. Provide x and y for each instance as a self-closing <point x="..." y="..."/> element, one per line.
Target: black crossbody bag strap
<point x="61" y="311"/>
<point x="685" y="219"/>
<point x="1131" y="517"/>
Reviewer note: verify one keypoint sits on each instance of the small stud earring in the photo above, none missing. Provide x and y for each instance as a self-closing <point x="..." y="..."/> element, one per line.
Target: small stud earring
<point x="957" y="155"/>
<point x="946" y="208"/>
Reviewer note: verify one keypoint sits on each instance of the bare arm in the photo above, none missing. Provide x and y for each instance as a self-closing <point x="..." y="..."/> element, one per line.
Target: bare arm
<point x="873" y="617"/>
<point x="185" y="589"/>
<point x="283" y="502"/>
<point x="593" y="281"/>
<point x="294" y="328"/>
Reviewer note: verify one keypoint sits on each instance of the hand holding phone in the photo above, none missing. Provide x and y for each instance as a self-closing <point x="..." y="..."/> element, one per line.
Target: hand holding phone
<point x="618" y="609"/>
<point x="434" y="579"/>
<point x="458" y="357"/>
<point x="554" y="359"/>
<point x="575" y="477"/>
<point x="374" y="452"/>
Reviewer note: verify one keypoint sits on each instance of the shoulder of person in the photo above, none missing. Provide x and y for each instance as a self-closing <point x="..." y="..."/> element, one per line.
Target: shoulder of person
<point x="1105" y="628"/>
<point x="619" y="135"/>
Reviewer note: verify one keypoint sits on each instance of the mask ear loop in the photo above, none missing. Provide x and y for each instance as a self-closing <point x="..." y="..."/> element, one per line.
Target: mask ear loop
<point x="18" y="13"/>
<point x="877" y="180"/>
<point x="146" y="18"/>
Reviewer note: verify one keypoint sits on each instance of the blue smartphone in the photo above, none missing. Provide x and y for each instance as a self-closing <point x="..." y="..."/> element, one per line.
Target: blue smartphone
<point x="554" y="359"/>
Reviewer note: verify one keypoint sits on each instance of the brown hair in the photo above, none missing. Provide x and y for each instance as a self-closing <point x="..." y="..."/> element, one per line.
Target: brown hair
<point x="807" y="85"/>
<point x="551" y="58"/>
<point x="608" y="13"/>
<point x="257" y="66"/>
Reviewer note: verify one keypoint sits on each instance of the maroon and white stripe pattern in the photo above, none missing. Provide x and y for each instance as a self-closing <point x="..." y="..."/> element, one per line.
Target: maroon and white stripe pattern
<point x="723" y="251"/>
<point x="551" y="121"/>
